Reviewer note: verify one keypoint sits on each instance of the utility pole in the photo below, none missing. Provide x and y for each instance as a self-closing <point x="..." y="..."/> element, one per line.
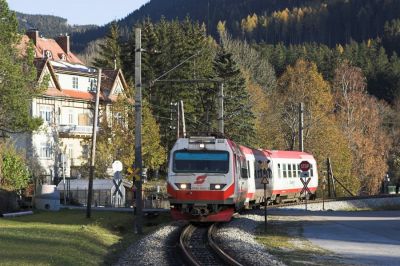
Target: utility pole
<point x="93" y="153"/>
<point x="221" y="108"/>
<point x="183" y="120"/>
<point x="138" y="128"/>
<point x="178" y="118"/>
<point x="63" y="175"/>
<point x="301" y="126"/>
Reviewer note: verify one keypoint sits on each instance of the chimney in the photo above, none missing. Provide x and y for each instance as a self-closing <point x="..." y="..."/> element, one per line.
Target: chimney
<point x="63" y="41"/>
<point x="33" y="34"/>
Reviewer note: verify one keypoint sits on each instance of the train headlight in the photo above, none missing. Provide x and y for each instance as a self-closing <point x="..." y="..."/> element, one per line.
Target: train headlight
<point x="217" y="186"/>
<point x="183" y="186"/>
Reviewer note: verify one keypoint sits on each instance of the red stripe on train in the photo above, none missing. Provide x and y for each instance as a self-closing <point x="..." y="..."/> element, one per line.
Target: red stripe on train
<point x="249" y="195"/>
<point x="201" y="194"/>
<point x="293" y="190"/>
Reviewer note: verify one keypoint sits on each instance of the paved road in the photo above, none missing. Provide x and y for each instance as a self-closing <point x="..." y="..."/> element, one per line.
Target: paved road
<point x="363" y="238"/>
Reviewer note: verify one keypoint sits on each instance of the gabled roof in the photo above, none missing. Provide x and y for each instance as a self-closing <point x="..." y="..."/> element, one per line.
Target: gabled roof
<point x="43" y="45"/>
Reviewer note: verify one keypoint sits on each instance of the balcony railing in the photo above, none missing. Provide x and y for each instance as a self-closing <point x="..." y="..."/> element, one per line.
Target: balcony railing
<point x="75" y="129"/>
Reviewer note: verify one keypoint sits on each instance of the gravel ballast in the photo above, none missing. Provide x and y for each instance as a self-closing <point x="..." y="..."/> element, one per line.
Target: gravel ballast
<point x="238" y="239"/>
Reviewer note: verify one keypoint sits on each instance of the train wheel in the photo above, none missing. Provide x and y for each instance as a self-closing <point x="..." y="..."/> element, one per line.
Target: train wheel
<point x="278" y="199"/>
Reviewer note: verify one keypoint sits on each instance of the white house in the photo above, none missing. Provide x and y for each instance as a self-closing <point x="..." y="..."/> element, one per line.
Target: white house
<point x="66" y="106"/>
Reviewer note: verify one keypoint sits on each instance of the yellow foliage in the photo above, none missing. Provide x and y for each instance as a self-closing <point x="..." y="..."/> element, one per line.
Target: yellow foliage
<point x="221" y="26"/>
<point x="250" y="23"/>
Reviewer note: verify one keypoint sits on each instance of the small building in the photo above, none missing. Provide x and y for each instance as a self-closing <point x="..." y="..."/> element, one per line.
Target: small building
<point x="106" y="192"/>
<point x="48" y="198"/>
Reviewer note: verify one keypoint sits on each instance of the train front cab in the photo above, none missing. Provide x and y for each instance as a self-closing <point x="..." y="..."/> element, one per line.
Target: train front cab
<point x="203" y="184"/>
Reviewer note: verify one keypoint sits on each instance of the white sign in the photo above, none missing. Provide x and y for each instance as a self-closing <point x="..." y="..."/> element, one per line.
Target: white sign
<point x="304" y="174"/>
<point x="117" y="166"/>
<point x="264" y="180"/>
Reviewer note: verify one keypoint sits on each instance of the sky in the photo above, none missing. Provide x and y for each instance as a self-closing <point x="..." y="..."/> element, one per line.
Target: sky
<point x="81" y="12"/>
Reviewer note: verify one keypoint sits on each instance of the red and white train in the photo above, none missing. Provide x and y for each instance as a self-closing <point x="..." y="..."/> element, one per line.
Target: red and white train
<point x="210" y="178"/>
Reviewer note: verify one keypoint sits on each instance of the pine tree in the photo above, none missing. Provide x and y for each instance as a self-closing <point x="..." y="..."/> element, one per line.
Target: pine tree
<point x="239" y="119"/>
<point x="110" y="50"/>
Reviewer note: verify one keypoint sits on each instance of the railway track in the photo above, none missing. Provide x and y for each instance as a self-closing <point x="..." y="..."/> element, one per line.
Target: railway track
<point x="319" y="200"/>
<point x="199" y="248"/>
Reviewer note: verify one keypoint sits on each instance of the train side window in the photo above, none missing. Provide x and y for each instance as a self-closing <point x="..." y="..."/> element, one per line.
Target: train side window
<point x="279" y="170"/>
<point x="289" y="170"/>
<point x="284" y="170"/>
<point x="298" y="170"/>
<point x="311" y="170"/>
<point x="294" y="170"/>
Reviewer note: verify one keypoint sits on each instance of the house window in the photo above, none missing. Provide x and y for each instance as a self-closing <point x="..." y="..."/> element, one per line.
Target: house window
<point x="45" y="150"/>
<point x="75" y="82"/>
<point x="118" y="90"/>
<point x="45" y="113"/>
<point x="48" y="54"/>
<point x="70" y="120"/>
<point x="83" y="120"/>
<point x="70" y="151"/>
<point x="93" y="84"/>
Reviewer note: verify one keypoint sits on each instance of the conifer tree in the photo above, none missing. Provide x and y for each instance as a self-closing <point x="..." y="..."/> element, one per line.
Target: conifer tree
<point x="239" y="119"/>
<point x="110" y="50"/>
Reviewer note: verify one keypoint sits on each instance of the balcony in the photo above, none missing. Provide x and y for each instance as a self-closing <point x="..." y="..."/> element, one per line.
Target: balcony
<point x="76" y="130"/>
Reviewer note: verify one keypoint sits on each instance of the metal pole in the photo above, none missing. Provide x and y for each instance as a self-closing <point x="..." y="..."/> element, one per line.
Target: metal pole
<point x="305" y="188"/>
<point x="178" y="107"/>
<point x="323" y="192"/>
<point x="183" y="120"/>
<point x="265" y="207"/>
<point x="138" y="127"/>
<point x="93" y="153"/>
<point x="63" y="173"/>
<point x="301" y="126"/>
<point x="221" y="108"/>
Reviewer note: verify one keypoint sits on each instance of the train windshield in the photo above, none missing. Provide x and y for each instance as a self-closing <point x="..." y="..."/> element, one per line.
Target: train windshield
<point x="201" y="162"/>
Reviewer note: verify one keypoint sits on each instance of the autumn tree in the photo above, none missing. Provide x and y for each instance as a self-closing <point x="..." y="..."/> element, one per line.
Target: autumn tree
<point x="360" y="117"/>
<point x="116" y="140"/>
<point x="322" y="135"/>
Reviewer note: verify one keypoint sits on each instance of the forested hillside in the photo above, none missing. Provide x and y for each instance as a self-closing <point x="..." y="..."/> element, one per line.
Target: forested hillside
<point x="49" y="26"/>
<point x="338" y="57"/>
<point x="288" y="21"/>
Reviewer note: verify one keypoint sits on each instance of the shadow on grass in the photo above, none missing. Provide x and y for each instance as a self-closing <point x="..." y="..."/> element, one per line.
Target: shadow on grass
<point x="69" y="238"/>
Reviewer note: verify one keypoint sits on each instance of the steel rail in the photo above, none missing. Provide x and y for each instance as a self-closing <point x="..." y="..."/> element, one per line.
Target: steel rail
<point x="186" y="232"/>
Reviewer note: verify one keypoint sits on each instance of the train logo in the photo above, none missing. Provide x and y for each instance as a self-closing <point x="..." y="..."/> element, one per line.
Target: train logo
<point x="200" y="179"/>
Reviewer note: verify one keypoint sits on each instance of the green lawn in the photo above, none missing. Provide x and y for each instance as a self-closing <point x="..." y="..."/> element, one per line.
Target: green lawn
<point x="68" y="237"/>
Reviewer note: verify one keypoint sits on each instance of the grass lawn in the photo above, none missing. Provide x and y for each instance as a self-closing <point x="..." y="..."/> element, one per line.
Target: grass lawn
<point x="68" y="237"/>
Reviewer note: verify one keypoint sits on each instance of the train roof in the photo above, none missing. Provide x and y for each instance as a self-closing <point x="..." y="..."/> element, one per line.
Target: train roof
<point x="277" y="153"/>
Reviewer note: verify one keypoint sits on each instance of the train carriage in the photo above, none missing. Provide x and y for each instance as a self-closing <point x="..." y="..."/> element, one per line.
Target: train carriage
<point x="210" y="178"/>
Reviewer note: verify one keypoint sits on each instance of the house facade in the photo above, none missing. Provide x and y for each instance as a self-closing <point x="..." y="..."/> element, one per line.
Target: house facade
<point x="66" y="107"/>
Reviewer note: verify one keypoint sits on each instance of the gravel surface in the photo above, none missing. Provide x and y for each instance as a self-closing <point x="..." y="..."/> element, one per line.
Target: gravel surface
<point x="157" y="248"/>
<point x="238" y="238"/>
<point x="373" y="203"/>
